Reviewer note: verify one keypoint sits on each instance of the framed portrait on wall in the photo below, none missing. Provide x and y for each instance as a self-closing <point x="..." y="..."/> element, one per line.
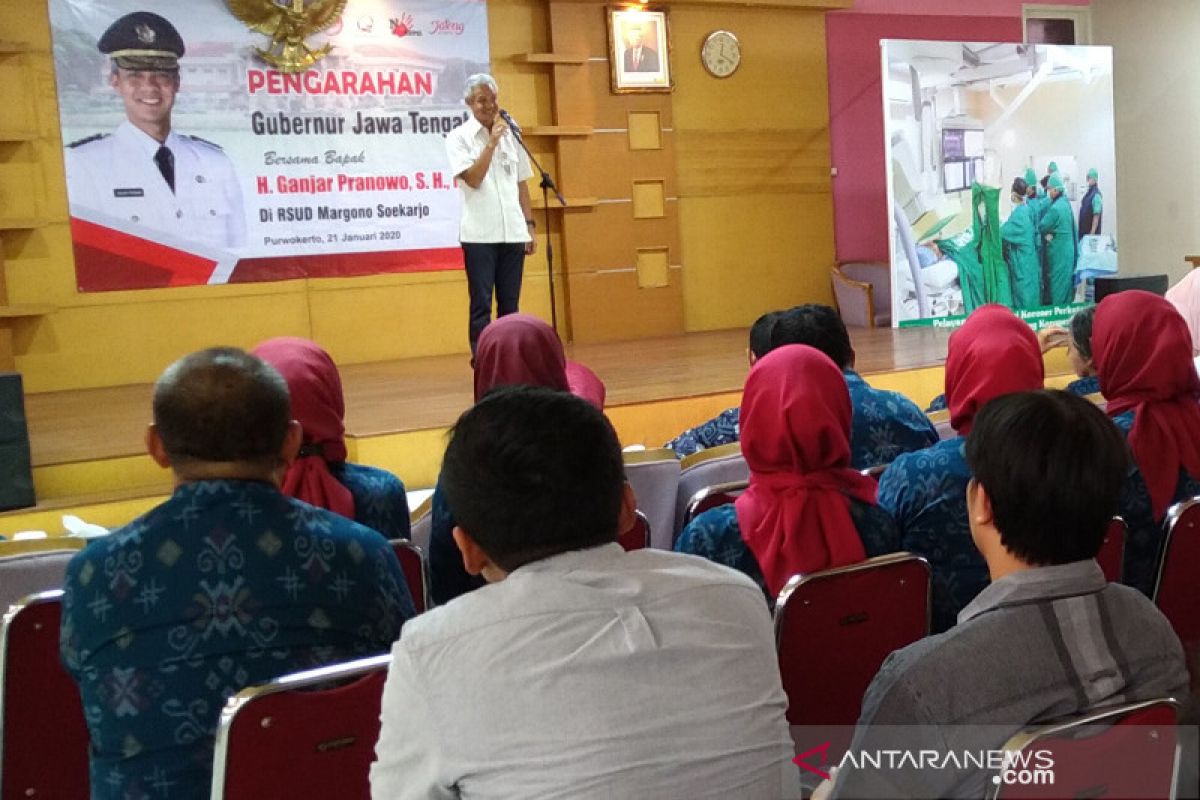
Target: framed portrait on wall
<point x="639" y="50"/>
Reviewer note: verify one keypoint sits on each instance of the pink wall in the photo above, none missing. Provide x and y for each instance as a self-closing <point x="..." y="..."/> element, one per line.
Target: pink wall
<point x="978" y="8"/>
<point x="856" y="107"/>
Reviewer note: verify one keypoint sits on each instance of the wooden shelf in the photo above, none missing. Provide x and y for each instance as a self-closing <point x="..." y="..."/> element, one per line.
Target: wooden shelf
<point x="16" y="312"/>
<point x="549" y="58"/>
<point x="26" y="224"/>
<point x="18" y="136"/>
<point x="558" y="130"/>
<point x="572" y="202"/>
<point x="13" y="48"/>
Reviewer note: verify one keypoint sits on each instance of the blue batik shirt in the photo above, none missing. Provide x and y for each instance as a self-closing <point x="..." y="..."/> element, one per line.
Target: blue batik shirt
<point x="448" y="578"/>
<point x="1085" y="386"/>
<point x="721" y="429"/>
<point x="925" y="492"/>
<point x="1082" y="387"/>
<point x="225" y="585"/>
<point x="716" y="535"/>
<point x="1145" y="537"/>
<point x="380" y="501"/>
<point x="885" y="424"/>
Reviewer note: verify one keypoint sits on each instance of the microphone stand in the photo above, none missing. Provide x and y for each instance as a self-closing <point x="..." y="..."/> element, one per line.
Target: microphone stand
<point x="548" y="186"/>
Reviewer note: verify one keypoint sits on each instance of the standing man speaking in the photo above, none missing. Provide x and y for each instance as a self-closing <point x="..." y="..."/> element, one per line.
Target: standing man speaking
<point x="496" y="230"/>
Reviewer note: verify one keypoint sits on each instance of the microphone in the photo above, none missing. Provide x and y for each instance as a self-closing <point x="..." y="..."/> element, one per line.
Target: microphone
<point x="511" y="122"/>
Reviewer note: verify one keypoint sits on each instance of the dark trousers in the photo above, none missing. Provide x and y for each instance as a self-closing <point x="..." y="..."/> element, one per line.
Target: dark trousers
<point x="492" y="266"/>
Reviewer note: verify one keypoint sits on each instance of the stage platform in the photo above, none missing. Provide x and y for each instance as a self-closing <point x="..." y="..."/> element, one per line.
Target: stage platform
<point x="89" y="456"/>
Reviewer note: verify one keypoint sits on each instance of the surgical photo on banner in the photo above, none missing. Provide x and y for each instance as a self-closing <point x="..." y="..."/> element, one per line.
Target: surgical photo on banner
<point x="199" y="150"/>
<point x="1001" y="178"/>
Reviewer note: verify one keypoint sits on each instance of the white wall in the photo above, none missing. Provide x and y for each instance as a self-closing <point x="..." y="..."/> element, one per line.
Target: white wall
<point x="1156" y="86"/>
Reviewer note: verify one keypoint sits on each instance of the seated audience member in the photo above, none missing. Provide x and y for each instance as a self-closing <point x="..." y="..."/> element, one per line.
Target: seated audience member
<point x="992" y="354"/>
<point x="515" y="350"/>
<point x="1078" y="341"/>
<point x="805" y="509"/>
<point x="1185" y="296"/>
<point x="723" y="428"/>
<point x="320" y="475"/>
<point x="885" y="424"/>
<point x="227" y="584"/>
<point x="1049" y="637"/>
<point x="1143" y="355"/>
<point x="581" y="670"/>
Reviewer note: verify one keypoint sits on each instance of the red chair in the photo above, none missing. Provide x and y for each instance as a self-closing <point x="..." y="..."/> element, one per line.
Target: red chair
<point x="1130" y="750"/>
<point x="1111" y="557"/>
<point x="1177" y="591"/>
<point x="43" y="736"/>
<point x="638" y="536"/>
<point x="834" y="628"/>
<point x="416" y="572"/>
<point x="710" y="497"/>
<point x="299" y="737"/>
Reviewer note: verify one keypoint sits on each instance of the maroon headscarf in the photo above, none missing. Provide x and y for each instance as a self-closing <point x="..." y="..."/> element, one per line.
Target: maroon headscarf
<point x="795" y="434"/>
<point x="317" y="402"/>
<point x="992" y="354"/>
<point x="1143" y="353"/>
<point x="520" y="349"/>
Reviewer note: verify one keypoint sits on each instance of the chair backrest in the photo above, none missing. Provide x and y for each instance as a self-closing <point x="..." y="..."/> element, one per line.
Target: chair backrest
<point x="416" y="572"/>
<point x="43" y="735"/>
<point x="1177" y="591"/>
<point x="422" y="524"/>
<point x="854" y="299"/>
<point x="30" y="573"/>
<point x="944" y="429"/>
<point x="1130" y="750"/>
<point x="654" y="476"/>
<point x="724" y="464"/>
<point x="878" y="274"/>
<point x="298" y="736"/>
<point x="711" y="497"/>
<point x="834" y="628"/>
<point x="637" y="537"/>
<point x="1111" y="557"/>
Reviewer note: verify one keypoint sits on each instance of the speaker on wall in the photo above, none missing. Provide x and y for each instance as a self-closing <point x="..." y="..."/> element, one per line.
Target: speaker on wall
<point x="16" y="471"/>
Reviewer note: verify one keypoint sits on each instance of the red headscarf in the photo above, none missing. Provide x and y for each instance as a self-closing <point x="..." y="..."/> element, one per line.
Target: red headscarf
<point x="795" y="434"/>
<point x="992" y="354"/>
<point x="317" y="402"/>
<point x="586" y="384"/>
<point x="1143" y="353"/>
<point x="519" y="349"/>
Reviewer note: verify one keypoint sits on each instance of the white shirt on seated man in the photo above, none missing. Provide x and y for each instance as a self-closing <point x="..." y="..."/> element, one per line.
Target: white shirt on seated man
<point x="580" y="671"/>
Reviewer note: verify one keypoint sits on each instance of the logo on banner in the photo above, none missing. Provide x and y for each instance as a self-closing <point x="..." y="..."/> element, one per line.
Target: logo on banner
<point x="288" y="26"/>
<point x="446" y="27"/>
<point x="403" y="25"/>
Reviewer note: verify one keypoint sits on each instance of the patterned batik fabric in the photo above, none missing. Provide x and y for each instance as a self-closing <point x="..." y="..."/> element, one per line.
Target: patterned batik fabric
<point x="925" y="492"/>
<point x="885" y="424"/>
<point x="225" y="585"/>
<point x="721" y="429"/>
<point x="380" y="501"/>
<point x="1146" y="535"/>
<point x="716" y="535"/>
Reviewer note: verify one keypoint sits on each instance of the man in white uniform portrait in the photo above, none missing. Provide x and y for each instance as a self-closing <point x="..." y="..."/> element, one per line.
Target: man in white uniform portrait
<point x="145" y="175"/>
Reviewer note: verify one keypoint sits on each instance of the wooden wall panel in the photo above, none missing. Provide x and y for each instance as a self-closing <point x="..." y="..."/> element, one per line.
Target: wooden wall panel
<point x="610" y="305"/>
<point x="608" y="237"/>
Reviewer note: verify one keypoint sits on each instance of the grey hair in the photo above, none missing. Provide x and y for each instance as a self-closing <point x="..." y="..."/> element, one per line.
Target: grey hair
<point x="477" y="80"/>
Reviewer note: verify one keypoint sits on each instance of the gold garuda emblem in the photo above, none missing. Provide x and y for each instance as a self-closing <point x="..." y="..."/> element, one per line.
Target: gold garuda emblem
<point x="289" y="25"/>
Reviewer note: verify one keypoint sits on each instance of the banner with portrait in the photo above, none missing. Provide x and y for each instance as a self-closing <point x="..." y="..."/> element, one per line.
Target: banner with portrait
<point x="337" y="170"/>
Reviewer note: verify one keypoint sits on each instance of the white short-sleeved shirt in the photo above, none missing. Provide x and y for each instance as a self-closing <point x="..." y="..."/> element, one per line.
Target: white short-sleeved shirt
<point x="117" y="176"/>
<point x="492" y="213"/>
<point x="591" y="674"/>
